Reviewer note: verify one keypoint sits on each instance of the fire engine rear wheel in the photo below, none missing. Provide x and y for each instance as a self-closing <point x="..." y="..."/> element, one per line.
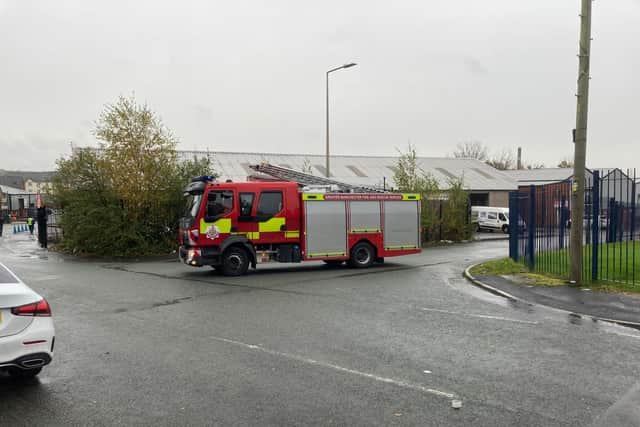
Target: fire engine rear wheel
<point x="362" y="255"/>
<point x="235" y="261"/>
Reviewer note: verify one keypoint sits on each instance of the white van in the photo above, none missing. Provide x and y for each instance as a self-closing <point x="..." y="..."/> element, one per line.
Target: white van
<point x="488" y="218"/>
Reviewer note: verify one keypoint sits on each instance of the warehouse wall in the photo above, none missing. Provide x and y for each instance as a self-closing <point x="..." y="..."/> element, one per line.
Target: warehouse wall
<point x="499" y="199"/>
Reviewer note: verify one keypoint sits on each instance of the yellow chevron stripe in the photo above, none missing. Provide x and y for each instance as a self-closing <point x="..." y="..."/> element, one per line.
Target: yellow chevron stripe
<point x="271" y="225"/>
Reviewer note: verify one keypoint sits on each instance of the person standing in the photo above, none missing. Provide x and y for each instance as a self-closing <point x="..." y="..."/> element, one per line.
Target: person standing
<point x="30" y="224"/>
<point x="1" y="223"/>
<point x="41" y="216"/>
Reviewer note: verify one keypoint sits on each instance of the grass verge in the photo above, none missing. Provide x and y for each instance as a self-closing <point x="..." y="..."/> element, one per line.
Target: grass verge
<point x="520" y="274"/>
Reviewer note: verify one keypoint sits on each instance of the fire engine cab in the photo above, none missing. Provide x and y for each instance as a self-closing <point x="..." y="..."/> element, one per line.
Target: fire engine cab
<point x="233" y="225"/>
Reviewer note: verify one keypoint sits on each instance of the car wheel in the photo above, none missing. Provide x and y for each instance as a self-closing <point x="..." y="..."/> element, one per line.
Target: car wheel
<point x="478" y="228"/>
<point x="235" y="261"/>
<point x="362" y="255"/>
<point x="333" y="262"/>
<point x="505" y="229"/>
<point x="24" y="373"/>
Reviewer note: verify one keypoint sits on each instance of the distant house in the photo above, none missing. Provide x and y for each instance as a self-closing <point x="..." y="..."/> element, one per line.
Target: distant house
<point x="14" y="181"/>
<point x="487" y="186"/>
<point x="32" y="186"/>
<point x="16" y="201"/>
<point x="28" y="181"/>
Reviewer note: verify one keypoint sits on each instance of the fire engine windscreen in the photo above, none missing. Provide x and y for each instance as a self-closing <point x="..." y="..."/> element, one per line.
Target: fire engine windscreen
<point x="192" y="205"/>
<point x="219" y="203"/>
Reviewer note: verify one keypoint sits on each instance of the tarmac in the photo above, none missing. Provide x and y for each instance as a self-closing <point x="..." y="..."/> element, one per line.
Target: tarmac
<point x="581" y="304"/>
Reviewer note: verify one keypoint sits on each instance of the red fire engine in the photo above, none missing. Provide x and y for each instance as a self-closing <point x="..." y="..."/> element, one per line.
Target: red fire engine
<point x="234" y="225"/>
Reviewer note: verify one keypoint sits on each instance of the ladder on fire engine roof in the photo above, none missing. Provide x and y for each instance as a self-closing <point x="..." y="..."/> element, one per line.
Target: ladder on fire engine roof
<point x="304" y="179"/>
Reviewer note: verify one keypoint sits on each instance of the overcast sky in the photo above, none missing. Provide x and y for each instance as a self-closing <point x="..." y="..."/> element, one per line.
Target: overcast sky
<point x="250" y="75"/>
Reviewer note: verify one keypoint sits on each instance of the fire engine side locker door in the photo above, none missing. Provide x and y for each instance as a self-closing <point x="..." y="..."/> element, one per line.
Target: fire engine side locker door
<point x="326" y="227"/>
<point x="401" y="225"/>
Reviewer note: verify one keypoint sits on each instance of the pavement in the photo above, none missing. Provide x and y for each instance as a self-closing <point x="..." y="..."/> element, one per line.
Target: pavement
<point x="158" y="342"/>
<point x="488" y="235"/>
<point x="617" y="307"/>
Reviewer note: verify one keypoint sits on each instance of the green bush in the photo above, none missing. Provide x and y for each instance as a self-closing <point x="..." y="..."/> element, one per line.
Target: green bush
<point x="445" y="213"/>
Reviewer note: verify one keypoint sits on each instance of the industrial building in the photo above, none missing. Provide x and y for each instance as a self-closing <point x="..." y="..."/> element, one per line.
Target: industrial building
<point x="488" y="186"/>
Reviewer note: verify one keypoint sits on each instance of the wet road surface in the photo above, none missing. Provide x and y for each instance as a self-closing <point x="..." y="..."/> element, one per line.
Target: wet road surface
<point x="162" y="343"/>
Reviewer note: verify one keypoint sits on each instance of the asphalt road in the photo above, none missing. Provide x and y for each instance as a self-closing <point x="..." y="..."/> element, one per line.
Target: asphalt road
<point x="165" y="344"/>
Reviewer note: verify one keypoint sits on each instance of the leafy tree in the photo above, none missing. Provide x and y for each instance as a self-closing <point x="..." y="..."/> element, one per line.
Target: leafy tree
<point x="535" y="166"/>
<point x="126" y="197"/>
<point x="444" y="213"/>
<point x="471" y="150"/>
<point x="456" y="224"/>
<point x="503" y="160"/>
<point x="565" y="163"/>
<point x="139" y="153"/>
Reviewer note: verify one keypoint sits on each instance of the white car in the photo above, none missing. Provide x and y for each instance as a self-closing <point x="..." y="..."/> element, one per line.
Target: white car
<point x="27" y="335"/>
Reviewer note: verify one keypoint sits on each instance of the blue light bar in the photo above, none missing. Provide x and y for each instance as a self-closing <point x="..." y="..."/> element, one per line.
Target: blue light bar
<point x="203" y="178"/>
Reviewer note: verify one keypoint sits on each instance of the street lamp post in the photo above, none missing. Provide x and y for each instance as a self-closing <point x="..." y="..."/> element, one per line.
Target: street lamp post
<point x="327" y="172"/>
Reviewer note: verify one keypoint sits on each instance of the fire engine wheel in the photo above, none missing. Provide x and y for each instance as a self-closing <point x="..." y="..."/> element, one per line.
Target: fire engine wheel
<point x="362" y="255"/>
<point x="235" y="261"/>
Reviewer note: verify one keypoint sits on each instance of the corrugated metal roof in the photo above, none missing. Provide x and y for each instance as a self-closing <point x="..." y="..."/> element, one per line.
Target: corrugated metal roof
<point x="476" y="175"/>
<point x="12" y="190"/>
<point x="545" y="174"/>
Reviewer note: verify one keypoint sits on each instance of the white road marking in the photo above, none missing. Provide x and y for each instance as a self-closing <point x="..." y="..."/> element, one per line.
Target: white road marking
<point x="43" y="278"/>
<point x="622" y="334"/>
<point x="481" y="316"/>
<point x="398" y="383"/>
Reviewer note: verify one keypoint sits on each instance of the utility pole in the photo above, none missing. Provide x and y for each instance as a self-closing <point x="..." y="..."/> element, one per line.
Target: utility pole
<point x="580" y="146"/>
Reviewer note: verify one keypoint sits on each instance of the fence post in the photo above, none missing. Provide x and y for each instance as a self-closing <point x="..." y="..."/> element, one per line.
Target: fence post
<point x="595" y="226"/>
<point x="633" y="228"/>
<point x="440" y="222"/>
<point x="563" y="221"/>
<point x="532" y="226"/>
<point x="514" y="216"/>
<point x="610" y="219"/>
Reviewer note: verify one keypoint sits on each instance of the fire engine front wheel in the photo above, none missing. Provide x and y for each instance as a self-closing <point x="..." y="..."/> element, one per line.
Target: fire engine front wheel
<point x="362" y="255"/>
<point x="235" y="262"/>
